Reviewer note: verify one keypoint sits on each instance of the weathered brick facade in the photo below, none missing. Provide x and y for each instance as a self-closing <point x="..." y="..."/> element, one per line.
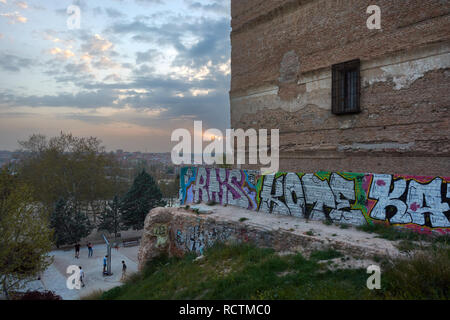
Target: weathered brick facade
<point x="282" y="53"/>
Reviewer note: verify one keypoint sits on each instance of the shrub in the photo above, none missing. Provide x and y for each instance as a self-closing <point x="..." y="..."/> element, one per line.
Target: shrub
<point x="426" y="275"/>
<point x="40" y="295"/>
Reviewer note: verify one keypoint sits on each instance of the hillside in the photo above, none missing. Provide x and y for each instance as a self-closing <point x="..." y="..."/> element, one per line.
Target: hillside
<point x="247" y="272"/>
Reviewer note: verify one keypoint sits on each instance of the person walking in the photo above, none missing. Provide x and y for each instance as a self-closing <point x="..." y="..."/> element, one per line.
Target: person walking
<point x="77" y="251"/>
<point x="124" y="271"/>
<point x="105" y="261"/>
<point x="82" y="277"/>
<point x="90" y="249"/>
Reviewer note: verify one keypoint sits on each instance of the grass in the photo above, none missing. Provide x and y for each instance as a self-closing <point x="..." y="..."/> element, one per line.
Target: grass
<point x="94" y="295"/>
<point x="424" y="276"/>
<point x="325" y="254"/>
<point x="241" y="272"/>
<point x="246" y="272"/>
<point x="393" y="233"/>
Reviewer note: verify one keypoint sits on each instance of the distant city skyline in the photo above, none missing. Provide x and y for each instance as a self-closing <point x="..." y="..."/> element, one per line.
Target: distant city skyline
<point x="134" y="71"/>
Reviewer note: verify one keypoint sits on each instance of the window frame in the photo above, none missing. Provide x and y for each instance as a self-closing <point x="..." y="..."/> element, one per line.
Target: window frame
<point x="340" y="104"/>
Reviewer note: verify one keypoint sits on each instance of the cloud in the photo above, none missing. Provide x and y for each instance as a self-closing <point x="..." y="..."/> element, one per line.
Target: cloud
<point x="60" y="53"/>
<point x="13" y="63"/>
<point x="113" y="13"/>
<point x="149" y="72"/>
<point x="106" y="63"/>
<point x="96" y="45"/>
<point x="147" y="56"/>
<point x="21" y="4"/>
<point x="114" y="77"/>
<point x="217" y="6"/>
<point x="150" y="1"/>
<point x="14" y="17"/>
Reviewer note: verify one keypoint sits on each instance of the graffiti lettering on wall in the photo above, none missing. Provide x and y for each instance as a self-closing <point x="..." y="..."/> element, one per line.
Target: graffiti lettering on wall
<point x="418" y="203"/>
<point x="161" y="232"/>
<point x="196" y="238"/>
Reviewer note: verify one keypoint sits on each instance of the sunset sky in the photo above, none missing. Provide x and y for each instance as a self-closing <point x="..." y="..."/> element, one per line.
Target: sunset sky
<point x="132" y="73"/>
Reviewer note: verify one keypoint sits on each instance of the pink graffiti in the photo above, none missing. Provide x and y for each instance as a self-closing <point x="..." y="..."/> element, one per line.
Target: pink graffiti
<point x="381" y="183"/>
<point x="414" y="206"/>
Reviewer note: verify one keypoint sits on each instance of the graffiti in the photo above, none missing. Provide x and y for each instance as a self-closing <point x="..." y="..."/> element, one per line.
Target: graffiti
<point x="197" y="238"/>
<point x="410" y="201"/>
<point x="161" y="233"/>
<point x="418" y="203"/>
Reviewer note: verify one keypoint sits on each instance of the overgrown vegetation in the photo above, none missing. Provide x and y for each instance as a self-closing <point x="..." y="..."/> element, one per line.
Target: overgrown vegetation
<point x="425" y="275"/>
<point x="25" y="236"/>
<point x="393" y="233"/>
<point x="247" y="272"/>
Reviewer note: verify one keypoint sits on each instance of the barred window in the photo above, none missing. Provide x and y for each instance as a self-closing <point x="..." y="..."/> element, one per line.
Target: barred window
<point x="346" y="87"/>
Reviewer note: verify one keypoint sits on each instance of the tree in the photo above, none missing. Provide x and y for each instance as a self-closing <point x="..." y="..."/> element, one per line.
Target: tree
<point x="69" y="167"/>
<point x="170" y="190"/>
<point x="25" y="236"/>
<point x="143" y="196"/>
<point x="69" y="223"/>
<point x="111" y="218"/>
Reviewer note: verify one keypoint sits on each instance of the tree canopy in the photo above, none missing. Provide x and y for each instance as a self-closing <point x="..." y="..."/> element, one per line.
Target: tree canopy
<point x="66" y="167"/>
<point x="143" y="196"/>
<point x="25" y="236"/>
<point x="111" y="218"/>
<point x="69" y="222"/>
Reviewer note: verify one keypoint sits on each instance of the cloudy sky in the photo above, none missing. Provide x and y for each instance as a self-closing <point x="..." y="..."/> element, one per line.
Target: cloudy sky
<point x="134" y="71"/>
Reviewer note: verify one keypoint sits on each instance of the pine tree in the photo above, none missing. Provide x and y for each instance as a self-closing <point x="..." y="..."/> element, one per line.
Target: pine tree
<point x="111" y="218"/>
<point x="143" y="196"/>
<point x="69" y="223"/>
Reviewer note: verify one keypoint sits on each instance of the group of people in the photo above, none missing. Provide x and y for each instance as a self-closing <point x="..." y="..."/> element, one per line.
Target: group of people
<point x="90" y="250"/>
<point x="105" y="262"/>
<point x="124" y="268"/>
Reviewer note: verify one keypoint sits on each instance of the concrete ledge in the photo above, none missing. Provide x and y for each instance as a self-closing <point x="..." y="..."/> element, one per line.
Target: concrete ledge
<point x="176" y="231"/>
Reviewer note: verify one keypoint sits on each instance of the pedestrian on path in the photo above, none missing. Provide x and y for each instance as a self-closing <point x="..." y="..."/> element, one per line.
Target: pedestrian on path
<point x="90" y="249"/>
<point x="82" y="277"/>
<point x="105" y="261"/>
<point x="77" y="251"/>
<point x="124" y="271"/>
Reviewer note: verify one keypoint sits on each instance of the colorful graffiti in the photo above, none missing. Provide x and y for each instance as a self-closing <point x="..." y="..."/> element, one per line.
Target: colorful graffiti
<point x="196" y="238"/>
<point x="418" y="203"/>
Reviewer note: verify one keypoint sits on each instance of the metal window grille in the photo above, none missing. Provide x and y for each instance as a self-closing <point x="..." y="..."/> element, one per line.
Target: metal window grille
<point x="346" y="87"/>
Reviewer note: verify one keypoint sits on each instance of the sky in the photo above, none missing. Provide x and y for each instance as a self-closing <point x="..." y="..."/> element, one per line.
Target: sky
<point x="134" y="70"/>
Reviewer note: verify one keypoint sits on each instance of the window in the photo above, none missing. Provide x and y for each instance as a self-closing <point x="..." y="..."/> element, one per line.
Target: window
<point x="346" y="87"/>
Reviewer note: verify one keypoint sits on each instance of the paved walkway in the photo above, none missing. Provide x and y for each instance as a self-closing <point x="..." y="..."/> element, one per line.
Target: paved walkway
<point x="55" y="277"/>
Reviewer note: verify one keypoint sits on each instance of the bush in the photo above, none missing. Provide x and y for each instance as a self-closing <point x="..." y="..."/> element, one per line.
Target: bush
<point x="40" y="295"/>
<point x="426" y="275"/>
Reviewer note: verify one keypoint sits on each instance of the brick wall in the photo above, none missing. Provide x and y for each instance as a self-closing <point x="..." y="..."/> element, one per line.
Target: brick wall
<point x="282" y="52"/>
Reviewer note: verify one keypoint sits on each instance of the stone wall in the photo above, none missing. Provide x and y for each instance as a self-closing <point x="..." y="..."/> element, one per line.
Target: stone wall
<point x="282" y="53"/>
<point x="414" y="202"/>
<point x="176" y="231"/>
